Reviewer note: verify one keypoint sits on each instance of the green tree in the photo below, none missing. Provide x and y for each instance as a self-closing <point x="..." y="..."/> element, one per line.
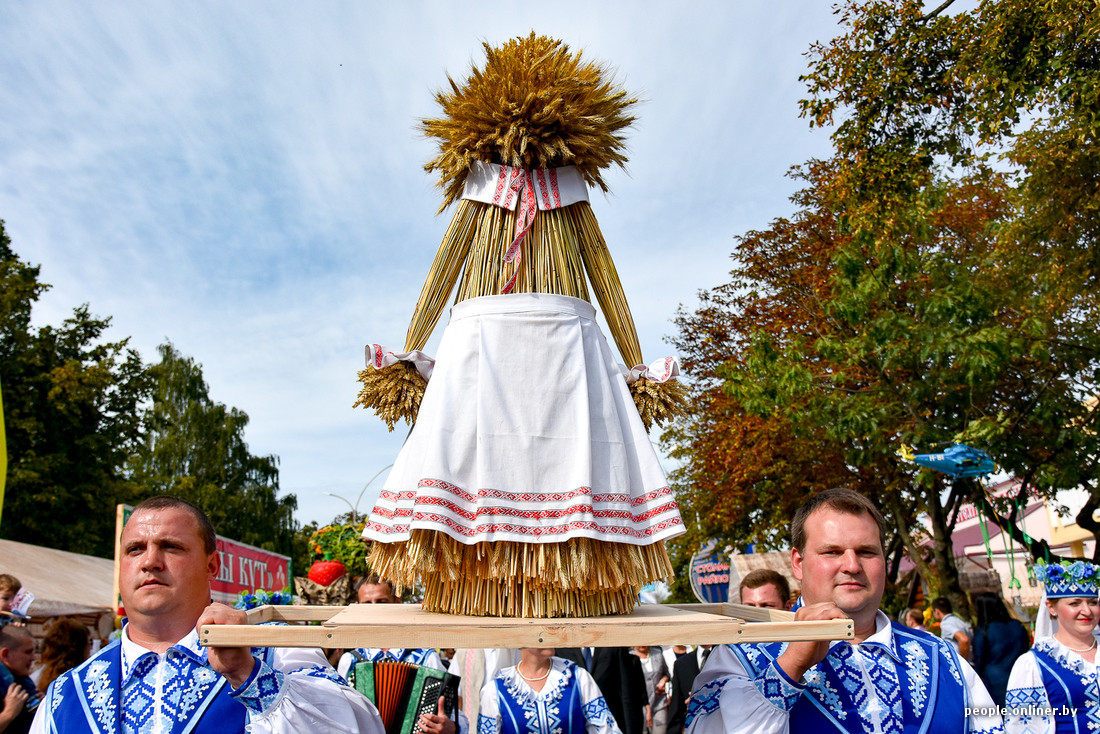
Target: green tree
<point x="194" y="448"/>
<point x="1014" y="85"/>
<point x="927" y="290"/>
<point x="302" y="553"/>
<point x="72" y="415"/>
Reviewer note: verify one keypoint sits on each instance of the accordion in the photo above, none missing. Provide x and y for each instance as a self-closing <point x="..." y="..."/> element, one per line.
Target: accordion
<point x="403" y="691"/>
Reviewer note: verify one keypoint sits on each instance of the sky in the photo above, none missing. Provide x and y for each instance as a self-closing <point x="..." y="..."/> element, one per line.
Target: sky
<point x="245" y="179"/>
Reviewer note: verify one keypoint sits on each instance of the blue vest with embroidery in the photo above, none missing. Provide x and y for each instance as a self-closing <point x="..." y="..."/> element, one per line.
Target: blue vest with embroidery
<point x="87" y="699"/>
<point x="1066" y="690"/>
<point x="524" y="714"/>
<point x="924" y="694"/>
<point x="401" y="655"/>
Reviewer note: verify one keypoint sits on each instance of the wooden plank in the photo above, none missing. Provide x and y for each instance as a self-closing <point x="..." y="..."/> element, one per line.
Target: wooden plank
<point x="241" y="635"/>
<point x="831" y="629"/>
<point x="259" y="615"/>
<point x="116" y="596"/>
<point x="741" y="611"/>
<point x="407" y="625"/>
<point x="291" y="613"/>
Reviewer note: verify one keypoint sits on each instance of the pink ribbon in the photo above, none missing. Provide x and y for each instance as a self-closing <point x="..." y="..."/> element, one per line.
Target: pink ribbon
<point x="517" y="182"/>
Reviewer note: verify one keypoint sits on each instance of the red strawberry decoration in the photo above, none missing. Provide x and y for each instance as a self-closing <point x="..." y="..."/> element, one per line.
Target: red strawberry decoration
<point x="325" y="572"/>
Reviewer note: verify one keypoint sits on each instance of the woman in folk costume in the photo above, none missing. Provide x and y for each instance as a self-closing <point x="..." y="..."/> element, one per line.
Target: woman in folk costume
<point x="544" y="695"/>
<point x="528" y="485"/>
<point x="1053" y="687"/>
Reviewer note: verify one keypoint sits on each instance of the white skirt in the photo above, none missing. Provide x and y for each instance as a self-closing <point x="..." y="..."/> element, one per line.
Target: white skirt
<point x="526" y="432"/>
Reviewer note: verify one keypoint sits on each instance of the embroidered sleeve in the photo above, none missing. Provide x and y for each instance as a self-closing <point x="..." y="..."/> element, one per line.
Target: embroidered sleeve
<point x="299" y="691"/>
<point x="704" y="700"/>
<point x="1026" y="702"/>
<point x="323" y="671"/>
<point x="488" y="719"/>
<point x="488" y="724"/>
<point x="431" y="659"/>
<point x="597" y="717"/>
<point x="261" y="689"/>
<point x="776" y="686"/>
<point x="728" y="695"/>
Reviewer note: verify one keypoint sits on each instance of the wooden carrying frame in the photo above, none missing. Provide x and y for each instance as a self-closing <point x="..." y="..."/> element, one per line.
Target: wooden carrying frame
<point x="408" y="626"/>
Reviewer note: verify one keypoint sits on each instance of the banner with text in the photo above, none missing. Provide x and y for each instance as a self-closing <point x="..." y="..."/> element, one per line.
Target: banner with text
<point x="710" y="575"/>
<point x="247" y="568"/>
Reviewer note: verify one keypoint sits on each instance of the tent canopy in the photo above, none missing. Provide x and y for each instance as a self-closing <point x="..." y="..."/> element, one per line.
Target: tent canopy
<point x="62" y="582"/>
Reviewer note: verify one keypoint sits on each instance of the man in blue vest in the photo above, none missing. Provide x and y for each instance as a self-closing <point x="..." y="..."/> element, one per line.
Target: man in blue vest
<point x="158" y="678"/>
<point x="888" y="679"/>
<point x="373" y="589"/>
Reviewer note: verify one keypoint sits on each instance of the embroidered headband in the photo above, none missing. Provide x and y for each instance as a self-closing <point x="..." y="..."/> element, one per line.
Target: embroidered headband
<point x="1077" y="579"/>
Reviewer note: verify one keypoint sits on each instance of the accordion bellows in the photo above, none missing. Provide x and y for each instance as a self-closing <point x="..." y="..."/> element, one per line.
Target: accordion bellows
<point x="403" y="691"/>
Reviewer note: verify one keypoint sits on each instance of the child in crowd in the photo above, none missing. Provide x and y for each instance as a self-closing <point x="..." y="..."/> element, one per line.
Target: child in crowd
<point x="9" y="587"/>
<point x="20" y="697"/>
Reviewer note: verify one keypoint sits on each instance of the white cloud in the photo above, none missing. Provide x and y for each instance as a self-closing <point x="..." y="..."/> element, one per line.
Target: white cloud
<point x="246" y="178"/>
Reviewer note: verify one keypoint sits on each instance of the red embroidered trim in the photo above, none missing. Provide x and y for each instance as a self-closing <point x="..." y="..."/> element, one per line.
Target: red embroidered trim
<point x="532" y="515"/>
<point x="522" y="530"/>
<point x="532" y="496"/>
<point x="396" y="496"/>
<point x="554" y="188"/>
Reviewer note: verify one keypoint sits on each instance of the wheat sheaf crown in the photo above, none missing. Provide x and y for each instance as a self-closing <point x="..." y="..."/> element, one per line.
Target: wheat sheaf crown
<point x="534" y="104"/>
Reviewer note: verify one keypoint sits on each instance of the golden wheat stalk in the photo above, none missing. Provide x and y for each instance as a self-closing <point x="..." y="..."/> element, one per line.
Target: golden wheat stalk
<point x="605" y="282"/>
<point x="659" y="402"/>
<point x="393" y="392"/>
<point x="534" y="104"/>
<point x="445" y="268"/>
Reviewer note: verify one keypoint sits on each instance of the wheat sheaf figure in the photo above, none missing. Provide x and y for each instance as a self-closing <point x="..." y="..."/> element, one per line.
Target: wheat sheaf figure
<point x="527" y="486"/>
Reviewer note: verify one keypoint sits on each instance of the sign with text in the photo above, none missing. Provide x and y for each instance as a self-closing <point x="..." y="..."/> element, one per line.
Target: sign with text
<point x="710" y="575"/>
<point x="243" y="567"/>
<point x="247" y="568"/>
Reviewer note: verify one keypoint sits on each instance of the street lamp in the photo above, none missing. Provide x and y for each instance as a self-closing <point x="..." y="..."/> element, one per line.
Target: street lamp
<point x="333" y="494"/>
<point x="355" y="507"/>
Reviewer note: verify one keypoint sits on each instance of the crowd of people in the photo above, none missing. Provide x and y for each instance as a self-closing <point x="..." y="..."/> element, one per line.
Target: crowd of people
<point x="892" y="677"/>
<point x="66" y="644"/>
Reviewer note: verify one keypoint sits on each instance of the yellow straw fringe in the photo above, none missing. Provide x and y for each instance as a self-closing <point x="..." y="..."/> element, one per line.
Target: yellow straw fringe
<point x="579" y="577"/>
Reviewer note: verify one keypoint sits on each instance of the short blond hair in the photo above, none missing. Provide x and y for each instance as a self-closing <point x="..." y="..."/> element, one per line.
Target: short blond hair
<point x="9" y="583"/>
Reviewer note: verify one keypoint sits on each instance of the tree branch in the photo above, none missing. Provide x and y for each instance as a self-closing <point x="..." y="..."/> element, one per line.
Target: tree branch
<point x="937" y="11"/>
